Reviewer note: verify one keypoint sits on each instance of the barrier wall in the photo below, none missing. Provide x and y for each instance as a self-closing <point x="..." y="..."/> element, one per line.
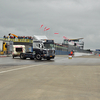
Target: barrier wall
<point x="19" y="40"/>
<point x="59" y="52"/>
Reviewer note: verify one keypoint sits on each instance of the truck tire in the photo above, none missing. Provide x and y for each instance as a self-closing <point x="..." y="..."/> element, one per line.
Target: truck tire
<point x="13" y="57"/>
<point x="21" y="56"/>
<point x="38" y="56"/>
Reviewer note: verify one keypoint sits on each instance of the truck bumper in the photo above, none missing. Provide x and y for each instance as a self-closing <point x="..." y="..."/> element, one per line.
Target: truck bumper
<point x="47" y="57"/>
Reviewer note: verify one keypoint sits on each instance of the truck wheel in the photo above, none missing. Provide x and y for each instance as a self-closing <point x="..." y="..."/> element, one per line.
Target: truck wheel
<point x="21" y="56"/>
<point x="13" y="56"/>
<point x="38" y="56"/>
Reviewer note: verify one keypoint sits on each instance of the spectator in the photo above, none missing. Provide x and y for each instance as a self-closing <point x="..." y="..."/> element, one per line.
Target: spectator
<point x="4" y="36"/>
<point x="72" y="53"/>
<point x="23" y="37"/>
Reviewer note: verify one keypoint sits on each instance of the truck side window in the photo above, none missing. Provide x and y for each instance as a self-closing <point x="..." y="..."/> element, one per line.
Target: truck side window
<point x="39" y="45"/>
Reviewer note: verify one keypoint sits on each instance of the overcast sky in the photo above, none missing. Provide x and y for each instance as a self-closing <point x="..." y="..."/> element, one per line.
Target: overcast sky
<point x="70" y="18"/>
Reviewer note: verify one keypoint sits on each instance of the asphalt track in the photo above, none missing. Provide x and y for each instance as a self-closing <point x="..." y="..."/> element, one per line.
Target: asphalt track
<point x="59" y="79"/>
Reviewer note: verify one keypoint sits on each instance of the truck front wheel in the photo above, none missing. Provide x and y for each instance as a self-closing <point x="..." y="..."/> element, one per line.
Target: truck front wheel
<point x="38" y="56"/>
<point x="21" y="56"/>
<point x="13" y="56"/>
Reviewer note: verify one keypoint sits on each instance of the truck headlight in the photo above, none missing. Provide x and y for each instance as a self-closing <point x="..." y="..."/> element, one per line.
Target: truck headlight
<point x="53" y="51"/>
<point x="44" y="52"/>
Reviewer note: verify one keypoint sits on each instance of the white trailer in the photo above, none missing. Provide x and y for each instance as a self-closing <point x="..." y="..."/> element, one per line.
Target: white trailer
<point x="17" y="49"/>
<point x="22" y="52"/>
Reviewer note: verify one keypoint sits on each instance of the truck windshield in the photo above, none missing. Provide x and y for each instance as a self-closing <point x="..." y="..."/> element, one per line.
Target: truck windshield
<point x="48" y="46"/>
<point x="19" y="49"/>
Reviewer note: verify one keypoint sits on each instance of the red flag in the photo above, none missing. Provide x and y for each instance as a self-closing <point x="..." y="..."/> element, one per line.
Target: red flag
<point x="64" y="37"/>
<point x="41" y="26"/>
<point x="56" y="33"/>
<point x="45" y="28"/>
<point x="67" y="38"/>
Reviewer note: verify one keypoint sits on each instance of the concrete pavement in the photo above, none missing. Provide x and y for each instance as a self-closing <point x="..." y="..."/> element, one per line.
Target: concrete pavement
<point x="51" y="82"/>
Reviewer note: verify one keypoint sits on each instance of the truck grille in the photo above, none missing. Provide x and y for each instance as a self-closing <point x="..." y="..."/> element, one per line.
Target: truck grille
<point x="50" y="52"/>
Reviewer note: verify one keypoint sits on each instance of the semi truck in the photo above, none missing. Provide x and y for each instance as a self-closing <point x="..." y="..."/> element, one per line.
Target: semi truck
<point x="43" y="47"/>
<point x="22" y="52"/>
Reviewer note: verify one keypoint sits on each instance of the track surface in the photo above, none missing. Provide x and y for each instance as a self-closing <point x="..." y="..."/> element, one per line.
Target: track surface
<point x="60" y="79"/>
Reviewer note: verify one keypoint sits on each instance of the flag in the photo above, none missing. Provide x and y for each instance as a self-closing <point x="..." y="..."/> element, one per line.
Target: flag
<point x="45" y="28"/>
<point x="41" y="26"/>
<point x="64" y="37"/>
<point x="68" y="39"/>
<point x="56" y="33"/>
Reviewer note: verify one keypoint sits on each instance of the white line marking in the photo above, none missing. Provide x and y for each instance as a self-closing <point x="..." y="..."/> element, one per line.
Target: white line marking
<point x="27" y="67"/>
<point x="20" y="68"/>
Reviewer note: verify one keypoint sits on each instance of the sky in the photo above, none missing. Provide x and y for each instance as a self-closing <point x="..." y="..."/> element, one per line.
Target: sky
<point x="70" y="18"/>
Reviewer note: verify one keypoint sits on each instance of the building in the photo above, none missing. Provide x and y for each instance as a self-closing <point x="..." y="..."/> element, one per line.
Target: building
<point x="74" y="44"/>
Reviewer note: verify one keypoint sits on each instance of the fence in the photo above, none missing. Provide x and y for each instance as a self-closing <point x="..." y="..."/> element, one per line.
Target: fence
<point x="60" y="52"/>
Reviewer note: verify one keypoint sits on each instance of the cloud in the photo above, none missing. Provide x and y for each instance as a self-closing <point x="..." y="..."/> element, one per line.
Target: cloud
<point x="70" y="18"/>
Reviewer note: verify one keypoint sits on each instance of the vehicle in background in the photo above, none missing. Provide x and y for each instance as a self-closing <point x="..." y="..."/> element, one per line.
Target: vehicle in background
<point x="6" y="47"/>
<point x="22" y="52"/>
<point x="43" y="47"/>
<point x="17" y="49"/>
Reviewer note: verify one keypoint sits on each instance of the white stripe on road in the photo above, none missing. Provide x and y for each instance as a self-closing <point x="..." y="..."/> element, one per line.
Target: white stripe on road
<point x="21" y="68"/>
<point x="28" y="66"/>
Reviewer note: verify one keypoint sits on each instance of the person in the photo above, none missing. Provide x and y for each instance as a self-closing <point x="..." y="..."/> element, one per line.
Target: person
<point x="9" y="34"/>
<point x="4" y="36"/>
<point x="72" y="53"/>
